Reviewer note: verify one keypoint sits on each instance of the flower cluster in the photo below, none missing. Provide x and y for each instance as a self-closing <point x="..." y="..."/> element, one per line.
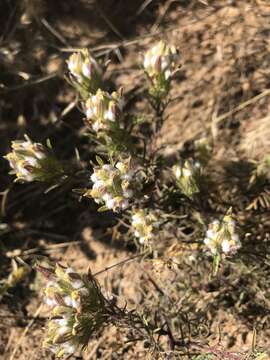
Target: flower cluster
<point x="112" y="185"/>
<point x="103" y="110"/>
<point x="85" y="72"/>
<point x="160" y="63"/>
<point x="33" y="162"/>
<point x="221" y="236"/>
<point x="144" y="225"/>
<point x="187" y="177"/>
<point x="77" y="309"/>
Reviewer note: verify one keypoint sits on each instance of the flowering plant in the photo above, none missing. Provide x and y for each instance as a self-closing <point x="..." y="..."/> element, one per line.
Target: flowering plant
<point x="129" y="179"/>
<point x="144" y="225"/>
<point x="160" y="64"/>
<point x="33" y="162"/>
<point x="85" y="72"/>
<point x="221" y="236"/>
<point x="77" y="309"/>
<point x="113" y="185"/>
<point x="103" y="110"/>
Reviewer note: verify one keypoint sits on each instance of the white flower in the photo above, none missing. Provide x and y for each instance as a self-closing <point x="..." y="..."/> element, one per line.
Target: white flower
<point x="94" y="177"/>
<point x="136" y="219"/>
<point x="108" y="168"/>
<point x="164" y="63"/>
<point x="147" y="61"/>
<point x="177" y="171"/>
<point x="63" y="330"/>
<point x="75" y="64"/>
<point x="235" y="237"/>
<point x="216" y="223"/>
<point x="76" y="303"/>
<point x="61" y="322"/>
<point x="142" y="240"/>
<point x="69" y="270"/>
<point x="68" y="300"/>
<point x="89" y="113"/>
<point x="110" y="204"/>
<point x="121" y="166"/>
<point x="109" y="115"/>
<point x="86" y="69"/>
<point x="128" y="176"/>
<point x="124" y="204"/>
<point x="226" y="246"/>
<point x="107" y="197"/>
<point x="128" y="193"/>
<point x="33" y="161"/>
<point x="26" y="174"/>
<point x="50" y="301"/>
<point x="168" y="74"/>
<point x="95" y="111"/>
<point x="98" y="184"/>
<point x="68" y="348"/>
<point x="77" y="284"/>
<point x="96" y="126"/>
<point x="210" y="233"/>
<point x="83" y="291"/>
<point x="187" y="172"/>
<point x="26" y="145"/>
